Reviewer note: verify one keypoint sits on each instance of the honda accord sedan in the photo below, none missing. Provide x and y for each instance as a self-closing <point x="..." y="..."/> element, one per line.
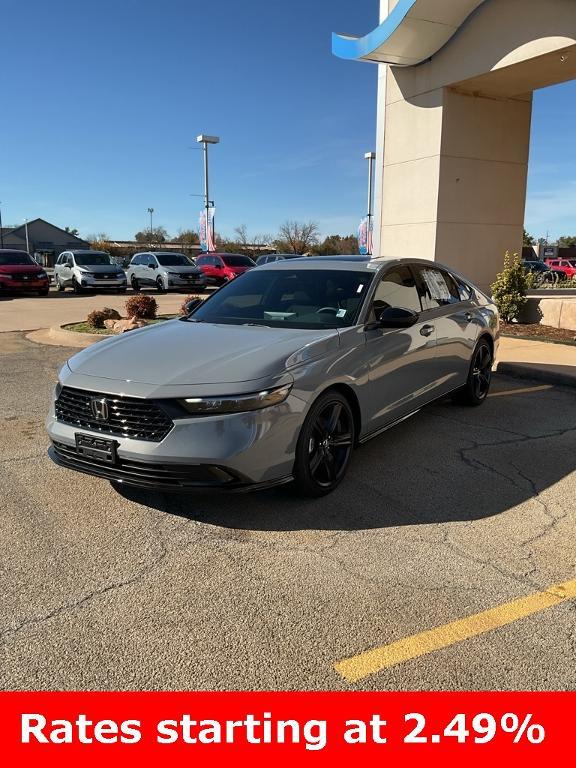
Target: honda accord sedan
<point x="276" y="377"/>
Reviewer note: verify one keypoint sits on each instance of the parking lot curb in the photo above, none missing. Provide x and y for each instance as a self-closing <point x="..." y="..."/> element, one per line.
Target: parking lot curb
<point x="539" y="372"/>
<point x="58" y="336"/>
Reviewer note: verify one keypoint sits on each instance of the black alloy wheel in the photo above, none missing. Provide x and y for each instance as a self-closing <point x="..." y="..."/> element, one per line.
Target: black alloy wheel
<point x="325" y="445"/>
<point x="477" y="387"/>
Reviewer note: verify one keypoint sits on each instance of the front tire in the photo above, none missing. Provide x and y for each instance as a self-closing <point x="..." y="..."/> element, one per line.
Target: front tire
<point x="477" y="387"/>
<point x="160" y="285"/>
<point x="135" y="284"/>
<point x="324" y="446"/>
<point x="76" y="286"/>
<point x="59" y="287"/>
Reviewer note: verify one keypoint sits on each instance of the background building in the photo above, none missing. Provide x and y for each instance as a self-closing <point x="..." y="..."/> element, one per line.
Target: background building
<point x="45" y="241"/>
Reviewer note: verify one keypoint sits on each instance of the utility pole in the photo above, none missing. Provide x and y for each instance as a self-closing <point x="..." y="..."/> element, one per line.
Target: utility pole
<point x="1" y="230"/>
<point x="27" y="242"/>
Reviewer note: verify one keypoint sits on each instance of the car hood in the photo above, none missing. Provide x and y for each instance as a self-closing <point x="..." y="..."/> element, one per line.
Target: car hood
<point x="177" y="352"/>
<point x="101" y="269"/>
<point x="17" y="268"/>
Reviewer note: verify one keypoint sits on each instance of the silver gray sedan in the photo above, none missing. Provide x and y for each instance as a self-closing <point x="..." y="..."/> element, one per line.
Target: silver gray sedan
<point x="276" y="377"/>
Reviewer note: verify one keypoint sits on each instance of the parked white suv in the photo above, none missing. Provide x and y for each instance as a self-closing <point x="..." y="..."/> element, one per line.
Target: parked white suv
<point x="88" y="269"/>
<point x="164" y="270"/>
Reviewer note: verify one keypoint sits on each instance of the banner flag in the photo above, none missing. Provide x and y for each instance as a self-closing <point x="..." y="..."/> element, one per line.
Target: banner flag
<point x="202" y="231"/>
<point x="210" y="237"/>
<point x="364" y="236"/>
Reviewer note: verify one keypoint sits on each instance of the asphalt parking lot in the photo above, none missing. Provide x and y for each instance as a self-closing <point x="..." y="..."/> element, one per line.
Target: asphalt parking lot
<point x="448" y="516"/>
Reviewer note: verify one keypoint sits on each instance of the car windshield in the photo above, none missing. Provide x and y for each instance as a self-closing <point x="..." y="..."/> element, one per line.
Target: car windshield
<point x="298" y="298"/>
<point x="238" y="261"/>
<point x="91" y="259"/>
<point x="15" y="257"/>
<point x="173" y="260"/>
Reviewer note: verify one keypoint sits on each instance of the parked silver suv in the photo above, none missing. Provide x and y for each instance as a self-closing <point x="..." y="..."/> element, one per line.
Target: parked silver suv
<point x="88" y="269"/>
<point x="276" y="376"/>
<point x="164" y="270"/>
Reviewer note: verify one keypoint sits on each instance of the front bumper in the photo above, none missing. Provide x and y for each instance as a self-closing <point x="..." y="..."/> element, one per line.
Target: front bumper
<point x="228" y="452"/>
<point x="94" y="282"/>
<point x="24" y="285"/>
<point x="181" y="282"/>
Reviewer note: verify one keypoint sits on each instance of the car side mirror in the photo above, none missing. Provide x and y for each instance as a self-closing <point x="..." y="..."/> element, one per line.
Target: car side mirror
<point x="152" y="266"/>
<point x="191" y="305"/>
<point x="397" y="317"/>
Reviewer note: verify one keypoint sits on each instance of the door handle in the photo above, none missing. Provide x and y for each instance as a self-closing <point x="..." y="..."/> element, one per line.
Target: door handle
<point x="427" y="330"/>
<point x="468" y="317"/>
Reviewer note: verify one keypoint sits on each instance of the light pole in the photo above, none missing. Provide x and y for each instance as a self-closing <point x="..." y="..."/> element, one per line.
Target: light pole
<point x="1" y="230"/>
<point x="151" y="212"/>
<point x="27" y="243"/>
<point x="370" y="156"/>
<point x="205" y="140"/>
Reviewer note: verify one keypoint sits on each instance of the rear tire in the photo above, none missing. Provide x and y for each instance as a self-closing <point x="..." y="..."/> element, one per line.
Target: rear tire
<point x="324" y="446"/>
<point x="477" y="387"/>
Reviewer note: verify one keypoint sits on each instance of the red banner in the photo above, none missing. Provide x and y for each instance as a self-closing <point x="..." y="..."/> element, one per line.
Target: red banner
<point x="120" y="729"/>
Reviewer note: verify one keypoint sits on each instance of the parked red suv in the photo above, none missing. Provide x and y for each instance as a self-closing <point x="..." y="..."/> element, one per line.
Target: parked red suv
<point x="568" y="266"/>
<point x="19" y="272"/>
<point x="221" y="267"/>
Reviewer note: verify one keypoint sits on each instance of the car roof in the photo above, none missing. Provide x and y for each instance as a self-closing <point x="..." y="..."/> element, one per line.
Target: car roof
<point x="85" y="250"/>
<point x="354" y="263"/>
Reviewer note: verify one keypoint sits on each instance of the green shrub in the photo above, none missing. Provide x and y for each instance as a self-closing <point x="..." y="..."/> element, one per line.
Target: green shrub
<point x="97" y="317"/>
<point x="510" y="289"/>
<point x="142" y="307"/>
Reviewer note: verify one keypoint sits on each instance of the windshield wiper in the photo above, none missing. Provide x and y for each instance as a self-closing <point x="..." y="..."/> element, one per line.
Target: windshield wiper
<point x="257" y="325"/>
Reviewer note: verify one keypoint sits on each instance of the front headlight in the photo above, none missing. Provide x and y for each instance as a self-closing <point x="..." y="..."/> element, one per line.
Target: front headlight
<point x="41" y="275"/>
<point x="237" y="403"/>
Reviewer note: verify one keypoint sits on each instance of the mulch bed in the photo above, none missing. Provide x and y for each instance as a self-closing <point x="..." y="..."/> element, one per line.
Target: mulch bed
<point x="539" y="332"/>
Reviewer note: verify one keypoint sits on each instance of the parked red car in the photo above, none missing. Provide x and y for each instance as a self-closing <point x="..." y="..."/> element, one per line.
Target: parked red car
<point x="221" y="267"/>
<point x="19" y="273"/>
<point x="568" y="266"/>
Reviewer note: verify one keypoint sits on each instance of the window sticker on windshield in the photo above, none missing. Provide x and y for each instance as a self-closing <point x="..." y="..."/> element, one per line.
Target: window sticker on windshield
<point x="436" y="285"/>
<point x="341" y="313"/>
<point x="360" y="288"/>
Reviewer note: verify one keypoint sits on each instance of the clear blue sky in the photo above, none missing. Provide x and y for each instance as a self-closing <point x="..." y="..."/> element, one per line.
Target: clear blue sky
<point x="103" y="100"/>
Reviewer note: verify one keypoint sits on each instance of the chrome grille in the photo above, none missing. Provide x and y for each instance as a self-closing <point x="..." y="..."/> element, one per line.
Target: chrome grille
<point x="127" y="416"/>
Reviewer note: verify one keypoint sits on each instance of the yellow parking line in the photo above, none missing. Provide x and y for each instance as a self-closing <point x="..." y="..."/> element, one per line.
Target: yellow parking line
<point x="522" y="391"/>
<point x="369" y="663"/>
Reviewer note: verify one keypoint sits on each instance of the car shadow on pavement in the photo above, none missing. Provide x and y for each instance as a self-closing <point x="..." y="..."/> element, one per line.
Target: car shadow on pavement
<point x="447" y="464"/>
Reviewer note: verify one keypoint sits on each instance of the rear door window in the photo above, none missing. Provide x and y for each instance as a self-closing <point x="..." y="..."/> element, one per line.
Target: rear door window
<point x="439" y="288"/>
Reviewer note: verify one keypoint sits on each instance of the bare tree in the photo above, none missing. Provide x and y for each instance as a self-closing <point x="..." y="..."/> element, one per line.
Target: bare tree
<point x="250" y="244"/>
<point x="298" y="237"/>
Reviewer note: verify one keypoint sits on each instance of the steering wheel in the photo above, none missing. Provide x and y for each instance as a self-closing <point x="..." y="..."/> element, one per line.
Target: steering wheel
<point x="326" y="310"/>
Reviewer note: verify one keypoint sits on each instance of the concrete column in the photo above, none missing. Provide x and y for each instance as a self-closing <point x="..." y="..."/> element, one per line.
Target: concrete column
<point x="483" y="175"/>
<point x="453" y="179"/>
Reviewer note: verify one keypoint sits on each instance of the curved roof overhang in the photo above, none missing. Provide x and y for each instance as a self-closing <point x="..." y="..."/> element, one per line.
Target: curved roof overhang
<point x="413" y="31"/>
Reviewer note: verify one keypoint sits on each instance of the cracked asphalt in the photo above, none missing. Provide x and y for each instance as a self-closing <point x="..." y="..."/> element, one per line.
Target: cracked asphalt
<point x="453" y="512"/>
